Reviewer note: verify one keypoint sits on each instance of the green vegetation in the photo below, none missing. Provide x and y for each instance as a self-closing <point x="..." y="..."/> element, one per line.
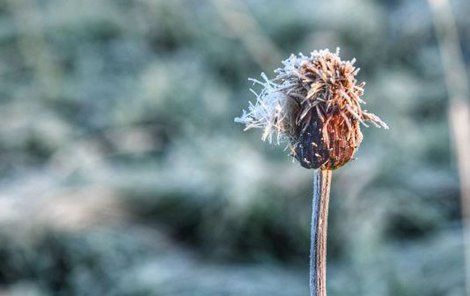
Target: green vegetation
<point x="124" y="174"/>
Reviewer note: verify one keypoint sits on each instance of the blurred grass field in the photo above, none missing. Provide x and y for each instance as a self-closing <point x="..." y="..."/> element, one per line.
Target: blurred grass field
<point x="122" y="172"/>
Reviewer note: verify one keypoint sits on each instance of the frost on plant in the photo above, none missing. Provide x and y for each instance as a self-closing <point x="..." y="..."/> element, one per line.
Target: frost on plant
<point x="313" y="104"/>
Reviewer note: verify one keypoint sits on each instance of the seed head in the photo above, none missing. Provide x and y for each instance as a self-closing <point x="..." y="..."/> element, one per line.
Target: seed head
<point x="313" y="104"/>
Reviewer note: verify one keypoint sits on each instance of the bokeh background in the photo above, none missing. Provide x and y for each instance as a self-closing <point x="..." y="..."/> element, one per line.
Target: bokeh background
<point x="123" y="173"/>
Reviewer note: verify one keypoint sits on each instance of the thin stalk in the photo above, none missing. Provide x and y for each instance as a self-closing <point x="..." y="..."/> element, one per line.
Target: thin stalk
<point x="318" y="232"/>
<point x="456" y="78"/>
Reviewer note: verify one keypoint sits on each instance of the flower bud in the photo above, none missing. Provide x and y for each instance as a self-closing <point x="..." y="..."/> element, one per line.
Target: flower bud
<point x="314" y="105"/>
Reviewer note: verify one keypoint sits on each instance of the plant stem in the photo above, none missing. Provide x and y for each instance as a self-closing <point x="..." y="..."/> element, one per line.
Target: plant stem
<point x="318" y="233"/>
<point x="456" y="78"/>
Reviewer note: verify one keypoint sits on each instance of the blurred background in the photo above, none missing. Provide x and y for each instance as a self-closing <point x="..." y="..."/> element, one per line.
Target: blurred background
<point x="123" y="173"/>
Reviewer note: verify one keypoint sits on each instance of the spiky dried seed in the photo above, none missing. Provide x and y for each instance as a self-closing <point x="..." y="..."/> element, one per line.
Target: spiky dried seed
<point x="314" y="104"/>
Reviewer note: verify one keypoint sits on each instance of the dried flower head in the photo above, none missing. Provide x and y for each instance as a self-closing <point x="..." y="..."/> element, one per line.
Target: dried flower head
<point x="314" y="105"/>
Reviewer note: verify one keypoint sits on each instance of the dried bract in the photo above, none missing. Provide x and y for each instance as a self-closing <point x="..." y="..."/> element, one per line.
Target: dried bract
<point x="314" y="105"/>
